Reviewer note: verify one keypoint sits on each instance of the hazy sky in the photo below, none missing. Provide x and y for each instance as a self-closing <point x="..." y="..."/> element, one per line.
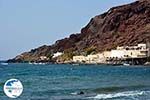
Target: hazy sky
<point x="27" y="24"/>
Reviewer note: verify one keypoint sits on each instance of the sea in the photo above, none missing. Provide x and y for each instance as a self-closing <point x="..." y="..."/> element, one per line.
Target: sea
<point x="77" y="82"/>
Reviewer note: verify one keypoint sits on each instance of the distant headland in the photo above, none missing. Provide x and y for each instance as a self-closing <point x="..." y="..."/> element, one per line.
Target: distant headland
<point x="119" y="27"/>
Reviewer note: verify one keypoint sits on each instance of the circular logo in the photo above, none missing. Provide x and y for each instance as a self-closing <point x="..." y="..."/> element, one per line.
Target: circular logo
<point x="13" y="88"/>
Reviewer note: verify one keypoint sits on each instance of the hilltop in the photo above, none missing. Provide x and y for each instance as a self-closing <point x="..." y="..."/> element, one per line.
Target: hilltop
<point x="122" y="25"/>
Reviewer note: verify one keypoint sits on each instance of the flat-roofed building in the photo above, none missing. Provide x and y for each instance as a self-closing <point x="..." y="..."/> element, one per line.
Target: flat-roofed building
<point x="117" y="54"/>
<point x="138" y="51"/>
<point x="106" y="53"/>
<point x="79" y="59"/>
<point x="57" y="54"/>
<point x="92" y="58"/>
<point x="120" y="53"/>
<point x="43" y="58"/>
<point x="95" y="58"/>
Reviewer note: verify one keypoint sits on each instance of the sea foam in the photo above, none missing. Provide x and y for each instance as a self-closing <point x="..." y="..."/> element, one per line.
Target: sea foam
<point x="120" y="94"/>
<point x="4" y="64"/>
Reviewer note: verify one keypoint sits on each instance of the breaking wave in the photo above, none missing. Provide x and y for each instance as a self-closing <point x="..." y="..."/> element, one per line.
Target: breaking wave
<point x="115" y="89"/>
<point x="120" y="94"/>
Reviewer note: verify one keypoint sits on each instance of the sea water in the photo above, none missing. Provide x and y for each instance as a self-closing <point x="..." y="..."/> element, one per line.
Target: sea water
<point x="65" y="82"/>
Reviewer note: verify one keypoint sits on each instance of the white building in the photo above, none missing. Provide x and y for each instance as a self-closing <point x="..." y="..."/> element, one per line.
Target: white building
<point x="123" y="52"/>
<point x="43" y="58"/>
<point x="79" y="59"/>
<point x="57" y="54"/>
<point x="90" y="59"/>
<point x="117" y="54"/>
<point x="130" y="51"/>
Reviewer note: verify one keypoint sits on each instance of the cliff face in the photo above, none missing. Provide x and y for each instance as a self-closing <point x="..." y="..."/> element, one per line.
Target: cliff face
<point x="122" y="25"/>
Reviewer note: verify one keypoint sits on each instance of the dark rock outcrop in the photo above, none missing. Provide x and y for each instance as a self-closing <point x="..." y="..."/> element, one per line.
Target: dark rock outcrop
<point x="123" y="25"/>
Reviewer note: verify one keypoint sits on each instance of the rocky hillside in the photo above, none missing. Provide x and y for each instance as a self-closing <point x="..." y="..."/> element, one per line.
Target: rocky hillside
<point x="123" y="25"/>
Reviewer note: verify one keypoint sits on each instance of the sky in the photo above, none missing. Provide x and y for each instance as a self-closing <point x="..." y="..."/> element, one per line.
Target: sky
<point x="28" y="24"/>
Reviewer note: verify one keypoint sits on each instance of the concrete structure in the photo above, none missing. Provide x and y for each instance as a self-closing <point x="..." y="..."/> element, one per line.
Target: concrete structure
<point x="90" y="59"/>
<point x="57" y="54"/>
<point x="79" y="59"/>
<point x="97" y="58"/>
<point x="106" y="54"/>
<point x="134" y="55"/>
<point x="43" y="58"/>
<point x="117" y="54"/>
<point x="148" y="47"/>
<point x="121" y="53"/>
<point x="139" y="51"/>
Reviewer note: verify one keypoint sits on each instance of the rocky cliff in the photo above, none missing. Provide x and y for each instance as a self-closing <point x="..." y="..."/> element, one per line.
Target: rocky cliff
<point x="122" y="25"/>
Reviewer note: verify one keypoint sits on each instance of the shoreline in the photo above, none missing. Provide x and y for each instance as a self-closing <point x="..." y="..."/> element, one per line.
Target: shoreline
<point x="74" y="64"/>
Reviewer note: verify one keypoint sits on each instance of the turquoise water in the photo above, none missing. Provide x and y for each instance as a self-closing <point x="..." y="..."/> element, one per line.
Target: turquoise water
<point x="64" y="82"/>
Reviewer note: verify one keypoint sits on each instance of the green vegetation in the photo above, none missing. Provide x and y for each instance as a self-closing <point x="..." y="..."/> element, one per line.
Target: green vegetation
<point x="90" y="50"/>
<point x="67" y="56"/>
<point x="49" y="56"/>
<point x="114" y="46"/>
